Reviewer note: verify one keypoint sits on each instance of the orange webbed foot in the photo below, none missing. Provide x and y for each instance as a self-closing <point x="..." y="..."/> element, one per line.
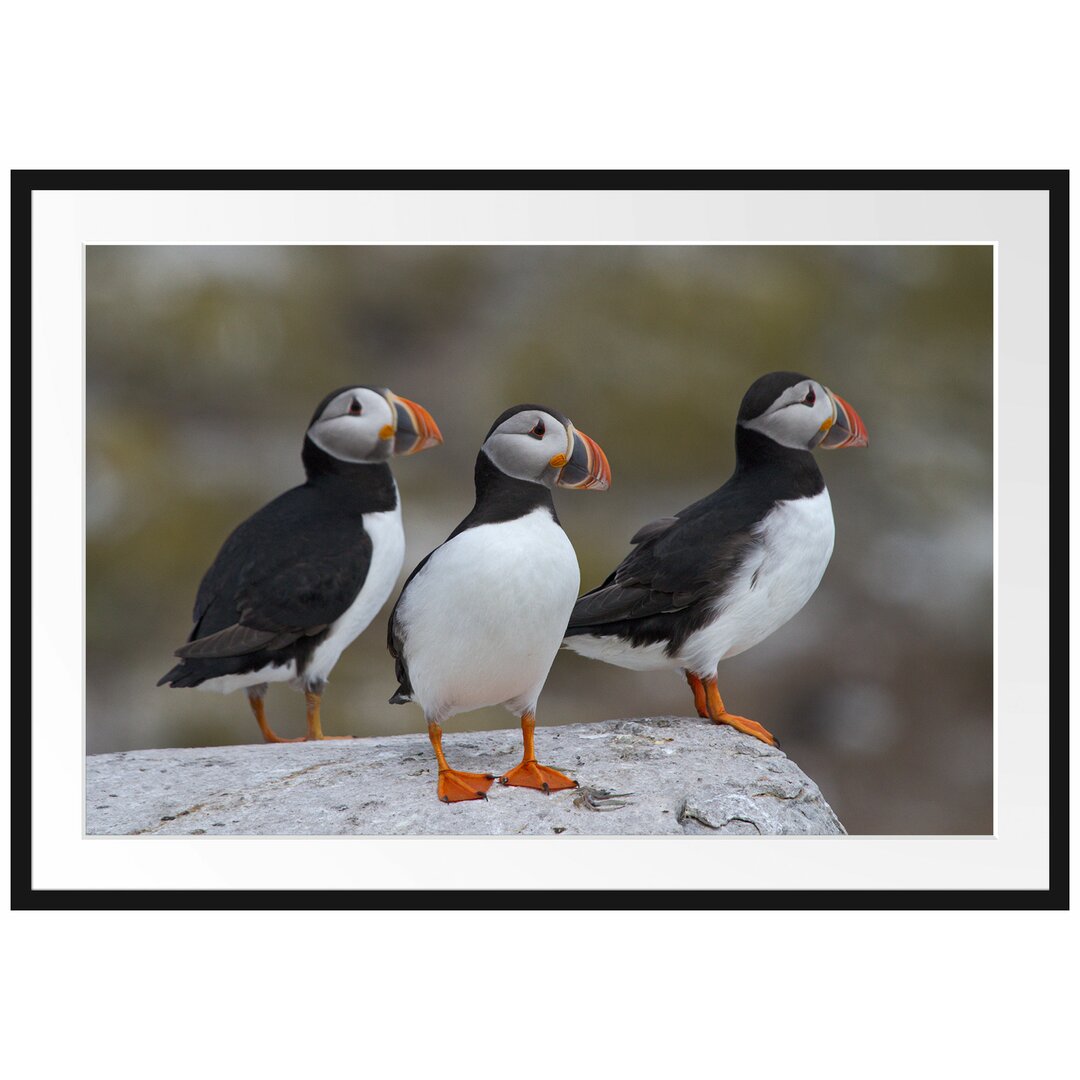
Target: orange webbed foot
<point x="530" y="774"/>
<point x="720" y="715"/>
<point x="748" y="727"/>
<point x="457" y="786"/>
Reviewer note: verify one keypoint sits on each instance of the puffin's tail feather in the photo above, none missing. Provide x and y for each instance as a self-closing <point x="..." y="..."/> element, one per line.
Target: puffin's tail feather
<point x="402" y="697"/>
<point x="181" y="676"/>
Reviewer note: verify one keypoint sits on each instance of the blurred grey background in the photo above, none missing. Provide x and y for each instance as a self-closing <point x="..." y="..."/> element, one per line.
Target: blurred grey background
<point x="205" y="363"/>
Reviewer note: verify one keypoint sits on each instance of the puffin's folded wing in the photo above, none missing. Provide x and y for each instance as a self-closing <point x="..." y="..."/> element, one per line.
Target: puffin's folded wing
<point x="273" y="603"/>
<point x="235" y="640"/>
<point x="676" y="564"/>
<point x="616" y="602"/>
<point x="305" y="594"/>
<point x="653" y="529"/>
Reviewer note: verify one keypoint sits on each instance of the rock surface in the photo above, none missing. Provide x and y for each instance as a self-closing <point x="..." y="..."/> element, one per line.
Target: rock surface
<point x="658" y="776"/>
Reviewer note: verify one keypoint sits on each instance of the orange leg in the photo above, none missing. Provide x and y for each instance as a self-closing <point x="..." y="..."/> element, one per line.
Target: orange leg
<point x="529" y="774"/>
<point x="456" y="786"/>
<point x="720" y="715"/>
<point x="259" y="709"/>
<point x="314" y="721"/>
<point x="700" y="702"/>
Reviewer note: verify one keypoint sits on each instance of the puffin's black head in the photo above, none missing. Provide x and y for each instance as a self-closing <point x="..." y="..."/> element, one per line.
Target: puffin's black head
<point x="798" y="412"/>
<point x="366" y="424"/>
<point x="535" y="443"/>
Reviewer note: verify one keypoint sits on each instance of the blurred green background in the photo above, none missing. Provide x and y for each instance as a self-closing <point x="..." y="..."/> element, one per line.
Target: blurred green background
<point x="205" y="363"/>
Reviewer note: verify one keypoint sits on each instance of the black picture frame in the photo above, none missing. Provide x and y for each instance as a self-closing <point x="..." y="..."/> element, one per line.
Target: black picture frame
<point x="24" y="183"/>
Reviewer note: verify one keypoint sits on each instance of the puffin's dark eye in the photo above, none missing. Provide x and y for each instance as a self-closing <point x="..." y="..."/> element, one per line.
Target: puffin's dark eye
<point x="538" y="431"/>
<point x="355" y="408"/>
<point x="810" y="397"/>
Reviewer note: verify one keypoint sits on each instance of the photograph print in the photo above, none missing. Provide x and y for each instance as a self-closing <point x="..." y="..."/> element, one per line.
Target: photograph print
<point x="539" y="539"/>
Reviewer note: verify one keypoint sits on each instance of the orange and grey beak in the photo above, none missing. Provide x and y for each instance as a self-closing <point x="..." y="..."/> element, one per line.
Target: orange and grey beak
<point x="587" y="466"/>
<point x="846" y="427"/>
<point x="415" y="428"/>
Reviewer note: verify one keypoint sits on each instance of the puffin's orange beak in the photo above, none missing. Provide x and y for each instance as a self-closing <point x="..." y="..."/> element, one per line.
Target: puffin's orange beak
<point x="846" y="429"/>
<point x="587" y="467"/>
<point x="416" y="429"/>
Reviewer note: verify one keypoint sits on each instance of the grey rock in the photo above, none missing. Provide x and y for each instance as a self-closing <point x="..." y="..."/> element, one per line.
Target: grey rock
<point x="658" y="776"/>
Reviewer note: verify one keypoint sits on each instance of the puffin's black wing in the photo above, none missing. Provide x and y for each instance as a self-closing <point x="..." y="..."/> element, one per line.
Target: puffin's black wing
<point x="681" y="563"/>
<point x="298" y="594"/>
<point x="285" y="574"/>
<point x="681" y="566"/>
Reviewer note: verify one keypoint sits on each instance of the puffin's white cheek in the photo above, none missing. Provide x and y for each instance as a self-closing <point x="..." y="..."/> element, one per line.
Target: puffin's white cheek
<point x="793" y="426"/>
<point x="522" y="458"/>
<point x="345" y="438"/>
<point x="788" y="428"/>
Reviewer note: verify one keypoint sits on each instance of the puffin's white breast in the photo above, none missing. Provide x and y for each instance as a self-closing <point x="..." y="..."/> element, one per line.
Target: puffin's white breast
<point x="483" y="620"/>
<point x="795" y="542"/>
<point x="387" y="555"/>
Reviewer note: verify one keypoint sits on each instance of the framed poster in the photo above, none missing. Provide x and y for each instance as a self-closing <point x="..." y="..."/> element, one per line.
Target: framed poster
<point x="199" y="318"/>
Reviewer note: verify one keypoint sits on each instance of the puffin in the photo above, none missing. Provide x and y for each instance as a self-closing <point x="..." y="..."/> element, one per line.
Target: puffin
<point x="300" y="579"/>
<point x="480" y="620"/>
<point x="723" y="574"/>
